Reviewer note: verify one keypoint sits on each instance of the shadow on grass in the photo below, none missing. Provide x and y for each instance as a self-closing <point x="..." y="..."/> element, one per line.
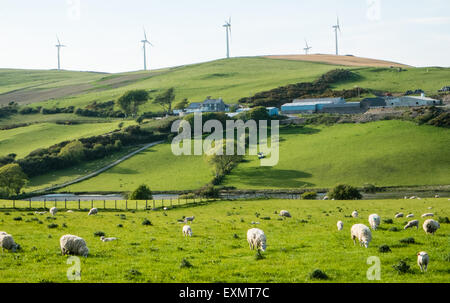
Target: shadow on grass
<point x="272" y="177"/>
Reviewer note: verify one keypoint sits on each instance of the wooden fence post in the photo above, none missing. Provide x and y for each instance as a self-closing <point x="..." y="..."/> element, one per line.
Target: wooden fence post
<point x="126" y="204"/>
<point x="146" y="204"/>
<point x="136" y="204"/>
<point x="65" y="203"/>
<point x="55" y="202"/>
<point x="153" y="203"/>
<point x="30" y="203"/>
<point x="45" y="207"/>
<point x="14" y="204"/>
<point x="79" y="204"/>
<point x="115" y="204"/>
<point x="92" y="203"/>
<point x="170" y="202"/>
<point x="162" y="202"/>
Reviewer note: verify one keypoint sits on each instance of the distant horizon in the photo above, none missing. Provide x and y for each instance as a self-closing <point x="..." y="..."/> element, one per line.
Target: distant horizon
<point x="106" y="36"/>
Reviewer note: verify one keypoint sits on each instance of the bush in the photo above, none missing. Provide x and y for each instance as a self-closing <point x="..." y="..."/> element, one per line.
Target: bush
<point x="146" y="222"/>
<point x="141" y="193"/>
<point x="384" y="249"/>
<point x="185" y="264"/>
<point x="401" y="267"/>
<point x="408" y="240"/>
<point x="388" y="221"/>
<point x="99" y="234"/>
<point x="394" y="229"/>
<point x="53" y="225"/>
<point x="208" y="191"/>
<point x="370" y="188"/>
<point x="17" y="219"/>
<point x="318" y="274"/>
<point x="444" y="220"/>
<point x="344" y="192"/>
<point x="310" y="195"/>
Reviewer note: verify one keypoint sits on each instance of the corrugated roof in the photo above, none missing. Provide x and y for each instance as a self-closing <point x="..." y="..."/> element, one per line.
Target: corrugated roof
<point x="334" y="100"/>
<point x="308" y="103"/>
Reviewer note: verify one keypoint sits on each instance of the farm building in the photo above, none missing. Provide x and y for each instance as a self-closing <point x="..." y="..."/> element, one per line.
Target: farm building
<point x="324" y="105"/>
<point x="273" y="111"/>
<point x="209" y="105"/>
<point x="373" y="102"/>
<point x="320" y="100"/>
<point x="409" y="101"/>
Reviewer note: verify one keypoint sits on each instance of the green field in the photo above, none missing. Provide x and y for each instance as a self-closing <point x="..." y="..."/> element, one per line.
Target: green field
<point x="157" y="167"/>
<point x="218" y="250"/>
<point x="384" y="153"/>
<point x="24" y="140"/>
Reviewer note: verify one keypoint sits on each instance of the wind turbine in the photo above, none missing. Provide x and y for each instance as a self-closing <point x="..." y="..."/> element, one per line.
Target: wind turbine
<point x="144" y="43"/>
<point x="58" y="46"/>
<point x="336" y="28"/>
<point x="307" y="48"/>
<point x="227" y="25"/>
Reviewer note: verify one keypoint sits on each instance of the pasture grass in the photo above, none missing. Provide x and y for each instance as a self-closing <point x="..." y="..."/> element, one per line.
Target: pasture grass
<point x="218" y="250"/>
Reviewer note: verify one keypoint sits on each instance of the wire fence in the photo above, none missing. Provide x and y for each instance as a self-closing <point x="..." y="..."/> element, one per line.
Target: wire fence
<point x="101" y="204"/>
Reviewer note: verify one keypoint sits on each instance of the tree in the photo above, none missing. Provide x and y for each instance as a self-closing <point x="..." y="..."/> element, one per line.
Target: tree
<point x="141" y="193"/>
<point x="344" y="192"/>
<point x="12" y="178"/>
<point x="131" y="100"/>
<point x="165" y="100"/>
<point x="73" y="151"/>
<point x="182" y="104"/>
<point x="222" y="163"/>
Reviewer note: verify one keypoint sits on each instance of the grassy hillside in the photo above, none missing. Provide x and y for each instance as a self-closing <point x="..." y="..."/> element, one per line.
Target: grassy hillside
<point x="157" y="167"/>
<point x="218" y="250"/>
<point x="386" y="153"/>
<point x="24" y="140"/>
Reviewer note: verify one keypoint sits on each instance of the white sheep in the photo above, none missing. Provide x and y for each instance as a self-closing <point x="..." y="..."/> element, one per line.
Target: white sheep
<point x="187" y="231"/>
<point x="70" y="211"/>
<point x="430" y="226"/>
<point x="102" y="238"/>
<point x="399" y="215"/>
<point x="340" y="225"/>
<point x="75" y="245"/>
<point x="412" y="224"/>
<point x="362" y="233"/>
<point x="427" y="215"/>
<point x="285" y="214"/>
<point x="189" y="219"/>
<point x="410" y="216"/>
<point x="40" y="212"/>
<point x="413" y="197"/>
<point x="355" y="214"/>
<point x="53" y="211"/>
<point x="93" y="211"/>
<point x="436" y="196"/>
<point x="326" y="198"/>
<point x="256" y="239"/>
<point x="374" y="221"/>
<point x="422" y="260"/>
<point x="7" y="242"/>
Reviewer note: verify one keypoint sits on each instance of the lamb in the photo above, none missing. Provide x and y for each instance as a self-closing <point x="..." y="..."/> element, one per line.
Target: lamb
<point x="187" y="231"/>
<point x="340" y="225"/>
<point x="411" y="224"/>
<point x="430" y="226"/>
<point x="75" y="245"/>
<point x="102" y="238"/>
<point x="374" y="221"/>
<point x="256" y="239"/>
<point x="285" y="214"/>
<point x="355" y="214"/>
<point x="410" y="216"/>
<point x="189" y="219"/>
<point x="70" y="211"/>
<point x="427" y="215"/>
<point x="362" y="233"/>
<point x="7" y="242"/>
<point x="422" y="260"/>
<point x="93" y="211"/>
<point x="436" y="196"/>
<point x="53" y="211"/>
<point x="399" y="215"/>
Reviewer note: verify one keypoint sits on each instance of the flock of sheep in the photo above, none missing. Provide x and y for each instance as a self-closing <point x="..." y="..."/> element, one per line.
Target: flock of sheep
<point x="71" y="244"/>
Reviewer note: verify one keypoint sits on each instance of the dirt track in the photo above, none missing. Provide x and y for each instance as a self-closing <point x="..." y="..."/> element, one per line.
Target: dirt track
<point x="339" y="60"/>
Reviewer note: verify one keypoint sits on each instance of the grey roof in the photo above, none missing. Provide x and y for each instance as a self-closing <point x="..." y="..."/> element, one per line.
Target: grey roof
<point x="374" y="101"/>
<point x="194" y="105"/>
<point x="213" y="101"/>
<point x="319" y="100"/>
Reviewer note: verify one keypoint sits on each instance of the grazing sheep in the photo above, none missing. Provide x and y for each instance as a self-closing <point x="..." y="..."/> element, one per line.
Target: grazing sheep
<point x="7" y="242"/>
<point x="3" y="233"/>
<point x="399" y="215"/>
<point x="427" y="215"/>
<point x="411" y="224"/>
<point x="362" y="233"/>
<point x="413" y="197"/>
<point x="253" y="223"/>
<point x="437" y="196"/>
<point x="374" y="221"/>
<point x="326" y="198"/>
<point x="422" y="261"/>
<point x="355" y="214"/>
<point x="165" y="208"/>
<point x="256" y="239"/>
<point x="285" y="214"/>
<point x="405" y="197"/>
<point x="102" y="238"/>
<point x="430" y="226"/>
<point x="53" y="211"/>
<point x="430" y="207"/>
<point x="75" y="245"/>
<point x="93" y="211"/>
<point x="70" y="211"/>
<point x="410" y="216"/>
<point x="187" y="231"/>
<point x="40" y="212"/>
<point x="189" y="219"/>
<point x="340" y="225"/>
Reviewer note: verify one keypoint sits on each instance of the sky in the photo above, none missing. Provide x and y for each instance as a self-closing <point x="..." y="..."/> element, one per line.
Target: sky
<point x="105" y="35"/>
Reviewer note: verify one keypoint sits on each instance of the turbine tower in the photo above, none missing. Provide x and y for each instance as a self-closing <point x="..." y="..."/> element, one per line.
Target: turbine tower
<point x="144" y="43"/>
<point x="58" y="46"/>
<point x="227" y="25"/>
<point x="336" y="28"/>
<point x="307" y="48"/>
